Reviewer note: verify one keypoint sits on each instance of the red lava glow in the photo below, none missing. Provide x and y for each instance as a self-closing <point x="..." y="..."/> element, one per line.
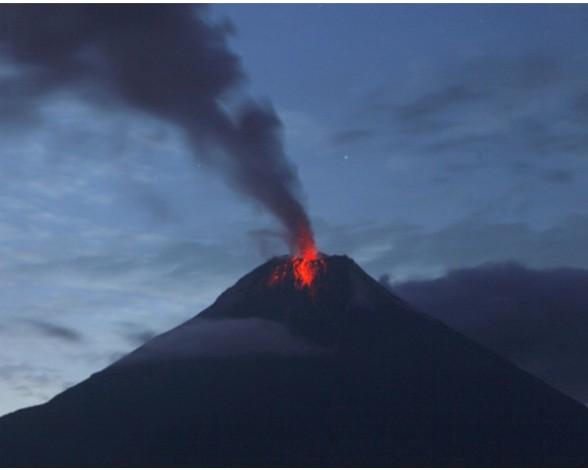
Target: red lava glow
<point x="306" y="270"/>
<point x="304" y="267"/>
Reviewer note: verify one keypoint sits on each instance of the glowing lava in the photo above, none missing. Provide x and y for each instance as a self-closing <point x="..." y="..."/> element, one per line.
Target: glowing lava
<point x="306" y="270"/>
<point x="303" y="268"/>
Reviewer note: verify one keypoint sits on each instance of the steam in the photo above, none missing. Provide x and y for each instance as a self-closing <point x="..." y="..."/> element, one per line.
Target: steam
<point x="169" y="61"/>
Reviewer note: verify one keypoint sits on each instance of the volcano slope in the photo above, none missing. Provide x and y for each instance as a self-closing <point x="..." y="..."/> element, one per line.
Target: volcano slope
<point x="343" y="374"/>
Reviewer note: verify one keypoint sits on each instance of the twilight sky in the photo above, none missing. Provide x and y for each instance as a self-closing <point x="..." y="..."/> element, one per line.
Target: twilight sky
<point x="430" y="141"/>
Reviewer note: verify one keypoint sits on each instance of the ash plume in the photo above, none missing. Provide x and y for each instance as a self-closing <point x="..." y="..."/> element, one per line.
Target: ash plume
<point x="167" y="60"/>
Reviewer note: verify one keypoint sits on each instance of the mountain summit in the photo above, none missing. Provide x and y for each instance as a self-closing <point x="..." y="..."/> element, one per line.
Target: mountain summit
<point x="335" y="312"/>
<point x="278" y="372"/>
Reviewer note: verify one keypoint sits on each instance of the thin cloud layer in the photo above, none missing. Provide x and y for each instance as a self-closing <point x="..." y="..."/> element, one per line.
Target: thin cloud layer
<point x="54" y="330"/>
<point x="223" y="338"/>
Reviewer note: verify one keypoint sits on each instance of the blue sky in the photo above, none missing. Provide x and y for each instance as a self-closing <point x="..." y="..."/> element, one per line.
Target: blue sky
<point x="427" y="138"/>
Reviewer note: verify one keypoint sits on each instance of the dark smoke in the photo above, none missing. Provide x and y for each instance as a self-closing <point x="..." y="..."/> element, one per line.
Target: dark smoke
<point x="169" y="61"/>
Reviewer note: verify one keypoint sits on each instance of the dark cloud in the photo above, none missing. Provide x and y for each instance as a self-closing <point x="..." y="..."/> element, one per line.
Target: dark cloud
<point x="470" y="242"/>
<point x="17" y="101"/>
<point x="474" y="82"/>
<point x="436" y="102"/>
<point x="580" y="105"/>
<point x="167" y="60"/>
<point x="491" y="106"/>
<point x="559" y="176"/>
<point x="526" y="137"/>
<point x="53" y="330"/>
<point x="136" y="334"/>
<point x="140" y="337"/>
<point x="536" y="318"/>
<point x="410" y="250"/>
<point x="351" y="136"/>
<point x="460" y="142"/>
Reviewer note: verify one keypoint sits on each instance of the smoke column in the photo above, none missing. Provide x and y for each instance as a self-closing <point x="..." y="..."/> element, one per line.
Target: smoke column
<point x="172" y="62"/>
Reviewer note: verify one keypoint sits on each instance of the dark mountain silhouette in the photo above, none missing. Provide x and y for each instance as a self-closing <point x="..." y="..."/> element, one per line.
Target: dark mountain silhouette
<point x="343" y="374"/>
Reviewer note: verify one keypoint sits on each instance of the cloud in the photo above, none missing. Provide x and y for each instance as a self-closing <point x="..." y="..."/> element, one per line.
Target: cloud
<point x="535" y="317"/>
<point x="32" y="383"/>
<point x="432" y="104"/>
<point x="485" y="110"/>
<point x="90" y="282"/>
<point x="580" y="105"/>
<point x="140" y="336"/>
<point x="461" y="142"/>
<point x="53" y="330"/>
<point x="559" y="176"/>
<point x="409" y="251"/>
<point x="351" y="136"/>
<point x="214" y="338"/>
<point x="484" y="82"/>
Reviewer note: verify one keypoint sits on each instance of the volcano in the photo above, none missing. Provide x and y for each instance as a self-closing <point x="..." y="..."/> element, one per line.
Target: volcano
<point x="335" y="372"/>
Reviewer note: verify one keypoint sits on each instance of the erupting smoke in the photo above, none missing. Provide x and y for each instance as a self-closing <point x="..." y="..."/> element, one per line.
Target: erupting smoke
<point x="172" y="62"/>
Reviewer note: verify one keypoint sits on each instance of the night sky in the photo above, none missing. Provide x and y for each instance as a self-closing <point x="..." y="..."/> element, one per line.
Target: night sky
<point x="444" y="148"/>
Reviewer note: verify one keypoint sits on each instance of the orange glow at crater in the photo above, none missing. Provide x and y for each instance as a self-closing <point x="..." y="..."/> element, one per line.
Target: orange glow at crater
<point x="306" y="268"/>
<point x="303" y="268"/>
